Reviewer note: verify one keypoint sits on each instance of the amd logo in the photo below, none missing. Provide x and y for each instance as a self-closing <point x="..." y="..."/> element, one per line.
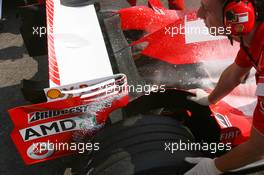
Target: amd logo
<point x="51" y="128"/>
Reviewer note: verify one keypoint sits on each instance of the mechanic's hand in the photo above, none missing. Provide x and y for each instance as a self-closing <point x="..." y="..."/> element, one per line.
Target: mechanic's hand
<point x="200" y="98"/>
<point x="205" y="166"/>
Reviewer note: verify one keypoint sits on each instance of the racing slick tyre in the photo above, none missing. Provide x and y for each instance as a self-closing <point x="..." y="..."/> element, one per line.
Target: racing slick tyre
<point x="144" y="144"/>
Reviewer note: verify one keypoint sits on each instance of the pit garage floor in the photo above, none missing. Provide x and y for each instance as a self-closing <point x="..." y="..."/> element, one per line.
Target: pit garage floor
<point x="16" y="65"/>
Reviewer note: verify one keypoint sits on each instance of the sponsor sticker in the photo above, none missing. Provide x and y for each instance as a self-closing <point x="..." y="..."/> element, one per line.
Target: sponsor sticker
<point x="39" y="151"/>
<point x="63" y="122"/>
<point x="97" y="87"/>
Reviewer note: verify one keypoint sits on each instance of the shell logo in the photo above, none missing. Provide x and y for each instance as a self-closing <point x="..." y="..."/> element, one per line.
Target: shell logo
<point x="54" y="94"/>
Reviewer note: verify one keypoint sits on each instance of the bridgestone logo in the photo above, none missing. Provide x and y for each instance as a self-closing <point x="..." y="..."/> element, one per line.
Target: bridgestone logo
<point x="41" y="115"/>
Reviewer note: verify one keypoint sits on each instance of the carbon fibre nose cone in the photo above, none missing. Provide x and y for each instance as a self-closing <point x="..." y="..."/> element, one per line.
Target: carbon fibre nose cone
<point x="76" y="3"/>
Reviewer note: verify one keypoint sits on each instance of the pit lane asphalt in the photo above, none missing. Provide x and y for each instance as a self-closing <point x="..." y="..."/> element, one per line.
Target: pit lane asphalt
<point x="16" y="65"/>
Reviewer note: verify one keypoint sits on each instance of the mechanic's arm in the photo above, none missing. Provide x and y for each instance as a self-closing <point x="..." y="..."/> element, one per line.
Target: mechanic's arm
<point x="248" y="152"/>
<point x="230" y="78"/>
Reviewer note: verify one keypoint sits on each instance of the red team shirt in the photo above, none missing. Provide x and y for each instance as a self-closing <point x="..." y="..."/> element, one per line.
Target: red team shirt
<point x="256" y="49"/>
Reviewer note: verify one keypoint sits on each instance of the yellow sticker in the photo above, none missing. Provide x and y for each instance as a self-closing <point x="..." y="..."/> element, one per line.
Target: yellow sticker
<point x="54" y="93"/>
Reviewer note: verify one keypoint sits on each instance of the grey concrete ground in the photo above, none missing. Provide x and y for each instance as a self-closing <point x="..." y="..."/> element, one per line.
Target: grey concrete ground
<point x="15" y="65"/>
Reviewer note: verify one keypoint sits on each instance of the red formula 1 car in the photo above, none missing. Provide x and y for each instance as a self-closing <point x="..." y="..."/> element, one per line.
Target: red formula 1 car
<point x="162" y="54"/>
<point x="173" y="4"/>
